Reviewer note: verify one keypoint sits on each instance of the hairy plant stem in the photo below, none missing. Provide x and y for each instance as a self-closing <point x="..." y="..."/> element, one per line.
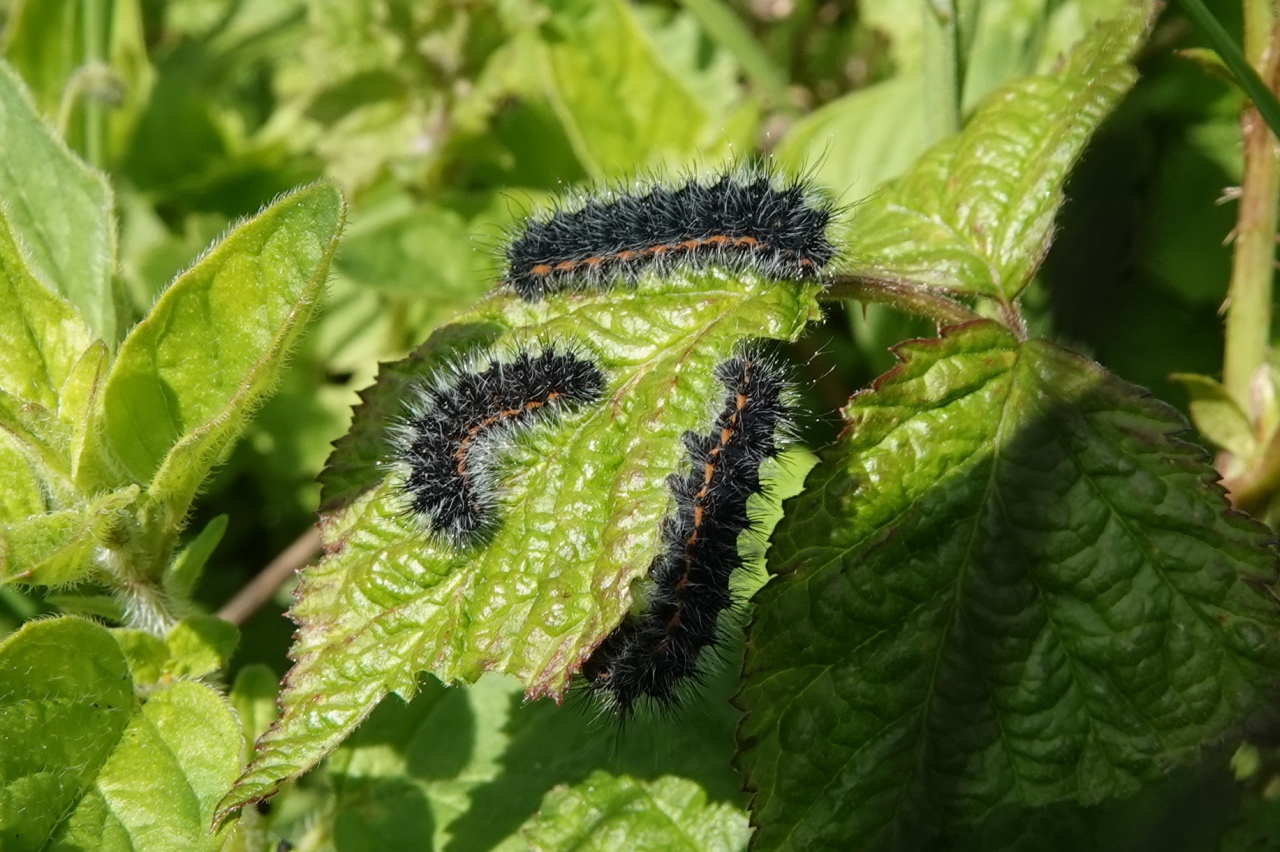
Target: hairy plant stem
<point x="907" y="296"/>
<point x="147" y="606"/>
<point x="1248" y="324"/>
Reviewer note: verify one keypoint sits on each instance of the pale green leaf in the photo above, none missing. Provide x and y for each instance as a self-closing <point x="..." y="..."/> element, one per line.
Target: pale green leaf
<point x="188" y="376"/>
<point x="607" y="812"/>
<point x="60" y="547"/>
<point x="582" y="506"/>
<point x="975" y="215"/>
<point x="1011" y="584"/>
<point x="58" y="209"/>
<point x="65" y="701"/>
<point x="860" y="140"/>
<point x="40" y="434"/>
<point x="621" y="105"/>
<point x="41" y="335"/>
<point x="22" y="487"/>
<point x="100" y="606"/>
<point x="199" y="645"/>
<point x="1217" y="415"/>
<point x="147" y="654"/>
<point x="195" y="646"/>
<point x="87" y="455"/>
<point x="184" y="572"/>
<point x="157" y="789"/>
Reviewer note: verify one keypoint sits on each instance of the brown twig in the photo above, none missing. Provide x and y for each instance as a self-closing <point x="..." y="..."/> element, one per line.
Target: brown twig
<point x="260" y="589"/>
<point x="908" y="296"/>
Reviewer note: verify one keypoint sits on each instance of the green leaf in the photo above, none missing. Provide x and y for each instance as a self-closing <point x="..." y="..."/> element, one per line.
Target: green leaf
<point x="58" y="209"/>
<point x="195" y="646"/>
<point x="471" y="765"/>
<point x="608" y="812"/>
<point x="77" y="410"/>
<point x="621" y="104"/>
<point x="1011" y="583"/>
<point x="253" y="695"/>
<point x="158" y="787"/>
<point x="58" y="548"/>
<point x="22" y="488"/>
<point x="184" y="572"/>
<point x="65" y="701"/>
<point x="1217" y="415"/>
<point x="975" y="215"/>
<point x="860" y="140"/>
<point x="199" y="645"/>
<point x="98" y="605"/>
<point x="582" y="511"/>
<point x="41" y="436"/>
<point x="147" y="654"/>
<point x="188" y="376"/>
<point x="42" y="336"/>
<point x="85" y="765"/>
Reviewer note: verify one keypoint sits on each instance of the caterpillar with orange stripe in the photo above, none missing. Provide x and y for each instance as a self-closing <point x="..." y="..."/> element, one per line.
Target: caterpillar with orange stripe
<point x="457" y="423"/>
<point x="661" y="646"/>
<point x="747" y="219"/>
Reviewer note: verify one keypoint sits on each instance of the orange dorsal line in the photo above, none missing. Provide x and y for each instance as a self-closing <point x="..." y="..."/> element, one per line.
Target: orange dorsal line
<point x="727" y="433"/>
<point x="460" y="456"/>
<point x="542" y="270"/>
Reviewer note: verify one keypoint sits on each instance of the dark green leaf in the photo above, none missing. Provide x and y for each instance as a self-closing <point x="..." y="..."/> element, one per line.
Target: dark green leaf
<point x="1010" y="584"/>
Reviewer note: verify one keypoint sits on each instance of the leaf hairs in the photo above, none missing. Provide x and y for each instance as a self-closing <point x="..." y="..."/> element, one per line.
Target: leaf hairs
<point x="447" y="442"/>
<point x="653" y="651"/>
<point x="746" y="219"/>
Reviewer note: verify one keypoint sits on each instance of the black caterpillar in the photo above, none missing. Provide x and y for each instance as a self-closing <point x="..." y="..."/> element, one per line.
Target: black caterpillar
<point x="453" y="425"/>
<point x="742" y="220"/>
<point x="653" y="652"/>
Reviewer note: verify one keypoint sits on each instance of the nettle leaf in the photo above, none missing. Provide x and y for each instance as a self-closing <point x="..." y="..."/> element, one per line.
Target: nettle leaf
<point x="471" y="766"/>
<point x="975" y="214"/>
<point x="608" y="812"/>
<point x="1010" y="583"/>
<point x="86" y="765"/>
<point x="581" y="506"/>
<point x="58" y="208"/>
<point x="190" y="374"/>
